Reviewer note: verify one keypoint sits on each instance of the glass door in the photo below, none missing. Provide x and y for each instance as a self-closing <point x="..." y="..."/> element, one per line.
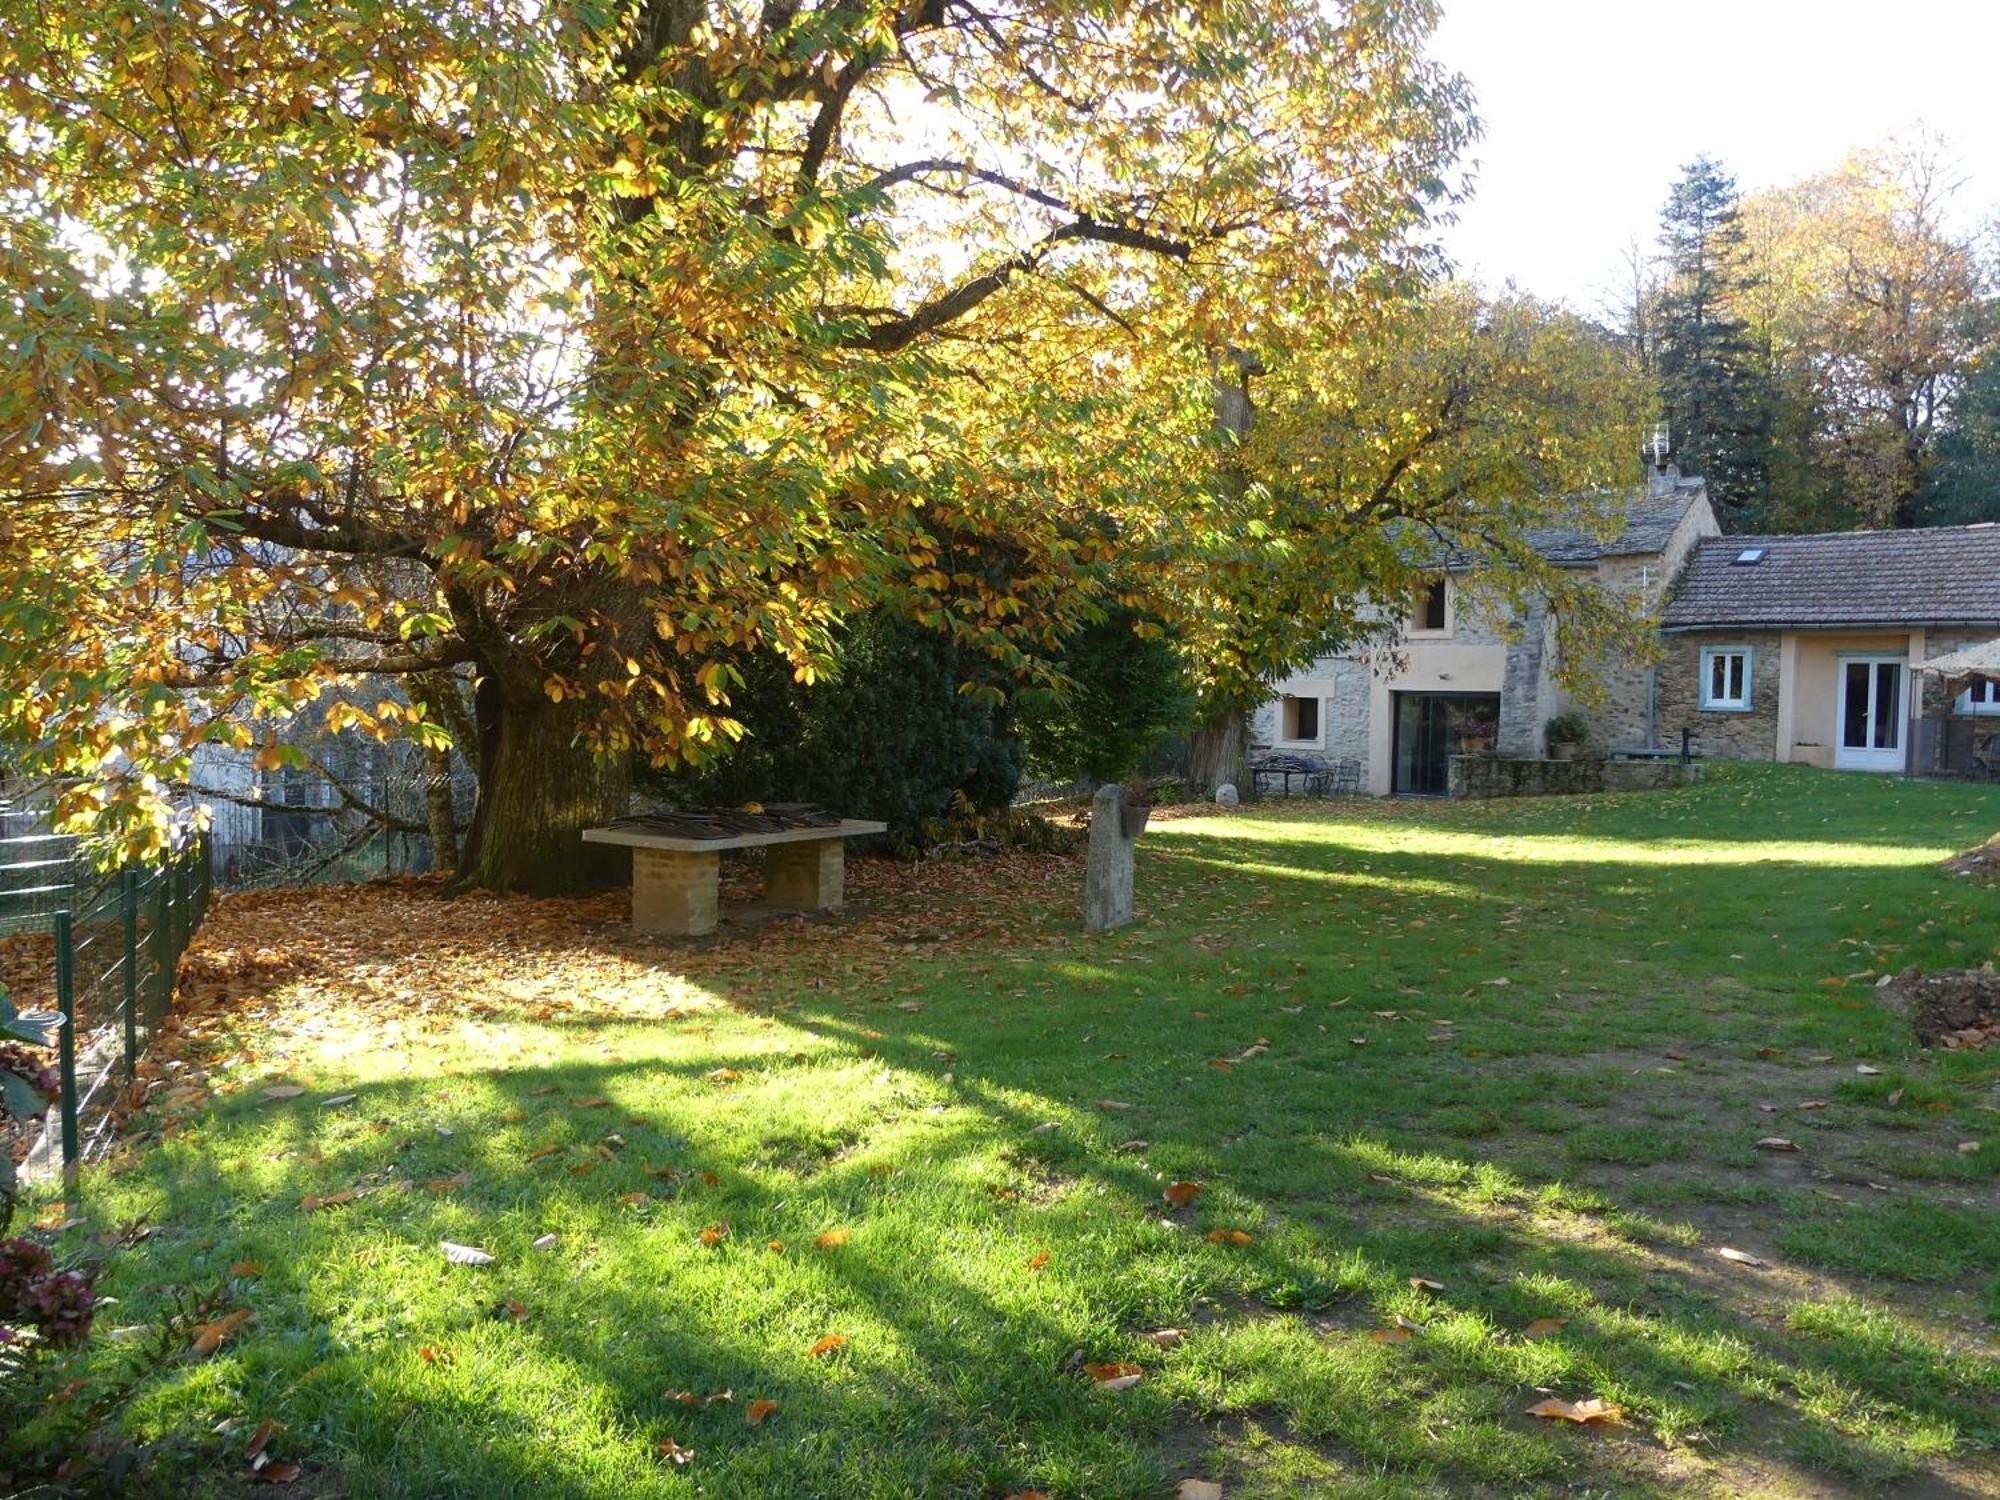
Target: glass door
<point x="1430" y="728"/>
<point x="1872" y="694"/>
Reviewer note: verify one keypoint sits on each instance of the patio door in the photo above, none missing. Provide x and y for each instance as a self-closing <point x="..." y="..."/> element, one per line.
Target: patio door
<point x="1872" y="694"/>
<point x="1428" y="729"/>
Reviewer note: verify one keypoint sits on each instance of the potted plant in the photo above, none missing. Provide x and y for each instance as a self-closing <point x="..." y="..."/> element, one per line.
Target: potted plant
<point x="1138" y="806"/>
<point x="1476" y="728"/>
<point x="1564" y="734"/>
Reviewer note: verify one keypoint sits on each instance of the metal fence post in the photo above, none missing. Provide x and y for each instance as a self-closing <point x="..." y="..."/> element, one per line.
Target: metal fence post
<point x="128" y="911"/>
<point x="163" y="964"/>
<point x="66" y="1044"/>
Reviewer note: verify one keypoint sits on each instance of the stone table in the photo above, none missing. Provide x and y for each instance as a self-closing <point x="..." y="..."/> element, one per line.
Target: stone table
<point x="676" y="882"/>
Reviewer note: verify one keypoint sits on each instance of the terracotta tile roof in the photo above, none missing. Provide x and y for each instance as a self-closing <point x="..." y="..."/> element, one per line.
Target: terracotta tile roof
<point x="1940" y="575"/>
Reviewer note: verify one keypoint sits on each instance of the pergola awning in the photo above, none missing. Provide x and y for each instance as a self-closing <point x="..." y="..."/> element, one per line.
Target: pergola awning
<point x="1982" y="660"/>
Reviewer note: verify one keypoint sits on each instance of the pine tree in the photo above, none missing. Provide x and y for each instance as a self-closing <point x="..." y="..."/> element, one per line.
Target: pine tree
<point x="1715" y="390"/>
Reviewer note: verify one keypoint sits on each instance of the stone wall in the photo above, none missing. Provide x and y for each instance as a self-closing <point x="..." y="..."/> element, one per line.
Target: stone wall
<point x="1720" y="734"/>
<point x="1341" y="686"/>
<point x="1489" y="776"/>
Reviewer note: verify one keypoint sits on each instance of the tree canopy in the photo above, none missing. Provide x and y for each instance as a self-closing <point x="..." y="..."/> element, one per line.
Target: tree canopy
<point x="578" y="348"/>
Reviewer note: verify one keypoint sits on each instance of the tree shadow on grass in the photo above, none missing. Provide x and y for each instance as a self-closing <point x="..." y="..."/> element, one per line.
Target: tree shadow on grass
<point x="926" y="1140"/>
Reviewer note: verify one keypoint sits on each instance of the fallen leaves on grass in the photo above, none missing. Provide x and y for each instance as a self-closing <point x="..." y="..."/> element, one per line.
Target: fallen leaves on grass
<point x="547" y="1148"/>
<point x="1180" y="1194"/>
<point x="1425" y="1284"/>
<point x="1739" y="1257"/>
<point x="675" y="1454"/>
<point x="246" y="1268"/>
<point x="1165" y="1338"/>
<point x="1776" y="1143"/>
<point x="1197" y="1489"/>
<point x="545" y="1242"/>
<point x="1037" y="1261"/>
<point x="755" y="1413"/>
<point x="1593" y="1412"/>
<point x="715" y="1234"/>
<point x="465" y="1255"/>
<point x="209" y="1337"/>
<point x="1229" y="1237"/>
<point x="1114" y="1377"/>
<point x="1541" y="1328"/>
<point x="283" y="1091"/>
<point x="832" y="1239"/>
<point x="1396" y="1335"/>
<point x="331" y="1200"/>
<point x="452" y="1183"/>
<point x="826" y="1346"/>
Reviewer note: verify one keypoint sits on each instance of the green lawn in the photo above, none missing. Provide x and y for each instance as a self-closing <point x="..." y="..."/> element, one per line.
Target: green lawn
<point x="1637" y="989"/>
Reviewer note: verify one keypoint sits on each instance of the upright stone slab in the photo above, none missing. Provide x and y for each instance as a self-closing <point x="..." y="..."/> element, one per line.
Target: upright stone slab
<point x="1107" y="877"/>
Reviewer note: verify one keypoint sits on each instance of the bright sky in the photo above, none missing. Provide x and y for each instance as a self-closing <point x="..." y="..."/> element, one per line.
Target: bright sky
<point x="1592" y="106"/>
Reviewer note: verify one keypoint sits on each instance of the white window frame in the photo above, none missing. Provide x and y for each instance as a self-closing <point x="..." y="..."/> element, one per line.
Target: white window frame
<point x="1727" y="705"/>
<point x="1420" y="632"/>
<point x="1288" y="719"/>
<point x="1980" y="700"/>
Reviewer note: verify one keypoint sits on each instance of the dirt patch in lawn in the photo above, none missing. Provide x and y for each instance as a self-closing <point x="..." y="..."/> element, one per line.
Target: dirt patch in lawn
<point x="1956" y="1009"/>
<point x="1981" y="862"/>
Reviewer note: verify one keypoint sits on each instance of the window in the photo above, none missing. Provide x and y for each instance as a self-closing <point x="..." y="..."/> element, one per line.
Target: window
<point x="1431" y="612"/>
<point x="1725" y="677"/>
<point x="1301" y="719"/>
<point x="1983" y="697"/>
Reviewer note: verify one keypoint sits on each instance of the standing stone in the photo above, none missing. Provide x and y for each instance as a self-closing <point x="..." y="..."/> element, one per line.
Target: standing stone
<point x="1107" y="877"/>
<point x="1225" y="795"/>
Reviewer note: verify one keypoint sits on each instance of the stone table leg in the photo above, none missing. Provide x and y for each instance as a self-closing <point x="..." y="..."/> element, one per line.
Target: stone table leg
<point x="806" y="876"/>
<point x="674" y="894"/>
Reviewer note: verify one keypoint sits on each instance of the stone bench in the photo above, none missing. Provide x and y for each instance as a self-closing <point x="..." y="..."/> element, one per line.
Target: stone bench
<point x="676" y="882"/>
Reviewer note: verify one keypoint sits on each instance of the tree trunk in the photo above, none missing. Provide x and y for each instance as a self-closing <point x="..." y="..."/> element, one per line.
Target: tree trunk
<point x="538" y="790"/>
<point x="1217" y="753"/>
<point x="439" y="811"/>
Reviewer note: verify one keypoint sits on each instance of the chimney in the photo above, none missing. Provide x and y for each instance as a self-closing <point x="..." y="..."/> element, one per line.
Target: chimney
<point x="1659" y="446"/>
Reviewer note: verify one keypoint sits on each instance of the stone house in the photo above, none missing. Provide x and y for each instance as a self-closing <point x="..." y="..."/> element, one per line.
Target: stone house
<point x="1400" y="709"/>
<point x="1805" y="648"/>
<point x="1788" y="648"/>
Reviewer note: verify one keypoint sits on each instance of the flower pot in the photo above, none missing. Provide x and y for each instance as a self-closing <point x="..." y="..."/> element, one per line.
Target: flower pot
<point x="1132" y="818"/>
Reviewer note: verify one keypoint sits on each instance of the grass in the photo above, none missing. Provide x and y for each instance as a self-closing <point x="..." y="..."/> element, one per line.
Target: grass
<point x="1525" y="1050"/>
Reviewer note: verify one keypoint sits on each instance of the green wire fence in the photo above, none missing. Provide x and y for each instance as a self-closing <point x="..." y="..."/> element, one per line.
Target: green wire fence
<point x="104" y="947"/>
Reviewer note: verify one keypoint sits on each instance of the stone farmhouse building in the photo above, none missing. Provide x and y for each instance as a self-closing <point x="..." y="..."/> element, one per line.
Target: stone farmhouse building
<point x="1787" y="648"/>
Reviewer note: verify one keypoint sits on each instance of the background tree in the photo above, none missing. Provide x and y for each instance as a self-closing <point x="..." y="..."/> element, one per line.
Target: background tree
<point x="1963" y="483"/>
<point x="585" y="347"/>
<point x="1877" y="310"/>
<point x="1125" y="692"/>
<point x="1715" y="391"/>
<point x="891" y="734"/>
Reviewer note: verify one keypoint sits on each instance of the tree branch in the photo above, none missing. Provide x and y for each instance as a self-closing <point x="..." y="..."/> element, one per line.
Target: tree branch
<point x="900" y="332"/>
